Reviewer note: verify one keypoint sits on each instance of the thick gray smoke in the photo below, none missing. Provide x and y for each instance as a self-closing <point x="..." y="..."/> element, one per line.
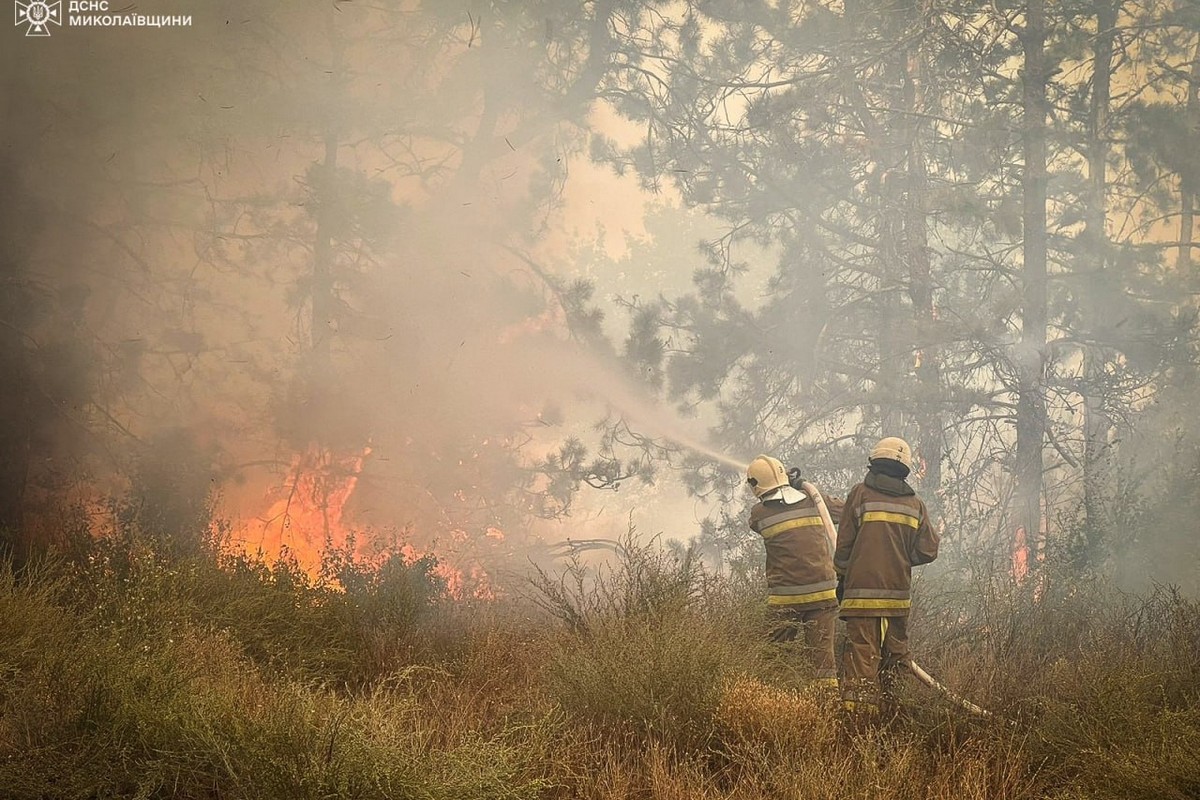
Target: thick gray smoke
<point x="195" y="184"/>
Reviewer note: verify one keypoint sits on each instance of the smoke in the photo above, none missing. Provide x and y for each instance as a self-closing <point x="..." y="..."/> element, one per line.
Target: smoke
<point x="287" y="228"/>
<point x="194" y="212"/>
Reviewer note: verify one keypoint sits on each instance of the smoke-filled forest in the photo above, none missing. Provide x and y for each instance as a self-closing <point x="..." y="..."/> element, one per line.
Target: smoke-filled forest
<point x="380" y="380"/>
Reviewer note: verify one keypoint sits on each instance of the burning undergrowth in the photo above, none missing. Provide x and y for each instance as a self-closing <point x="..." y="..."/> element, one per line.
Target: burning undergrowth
<point x="309" y="519"/>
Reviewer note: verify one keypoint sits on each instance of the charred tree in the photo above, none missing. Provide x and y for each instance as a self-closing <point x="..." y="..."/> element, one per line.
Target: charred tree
<point x="323" y="300"/>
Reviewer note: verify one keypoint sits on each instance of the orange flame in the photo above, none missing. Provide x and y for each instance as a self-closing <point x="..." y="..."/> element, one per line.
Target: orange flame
<point x="306" y="516"/>
<point x="306" y="513"/>
<point x="1020" y="556"/>
<point x="1028" y="552"/>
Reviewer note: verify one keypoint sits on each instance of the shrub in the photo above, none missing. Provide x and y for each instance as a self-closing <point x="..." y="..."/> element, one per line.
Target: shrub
<point x="349" y="633"/>
<point x="83" y="714"/>
<point x="652" y="641"/>
<point x="124" y="673"/>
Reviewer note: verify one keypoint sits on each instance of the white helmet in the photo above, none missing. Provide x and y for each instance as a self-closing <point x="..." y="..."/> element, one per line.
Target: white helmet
<point x="765" y="474"/>
<point x="894" y="448"/>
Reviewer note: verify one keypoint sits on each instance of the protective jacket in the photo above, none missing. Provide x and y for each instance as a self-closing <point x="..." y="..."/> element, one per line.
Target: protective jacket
<point x="884" y="532"/>
<point x="799" y="563"/>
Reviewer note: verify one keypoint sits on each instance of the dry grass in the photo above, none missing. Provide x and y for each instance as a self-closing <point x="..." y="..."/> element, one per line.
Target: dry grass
<point x="185" y="679"/>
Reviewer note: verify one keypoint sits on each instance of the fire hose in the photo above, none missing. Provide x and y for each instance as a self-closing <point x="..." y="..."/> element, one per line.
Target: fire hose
<point x="927" y="679"/>
<point x="826" y="520"/>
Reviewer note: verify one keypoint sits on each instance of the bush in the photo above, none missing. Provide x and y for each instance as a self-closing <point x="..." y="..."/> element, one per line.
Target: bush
<point x="655" y="677"/>
<point x="1105" y="686"/>
<point x="286" y="621"/>
<point x="652" y="641"/>
<point x="127" y="674"/>
<point x="83" y="714"/>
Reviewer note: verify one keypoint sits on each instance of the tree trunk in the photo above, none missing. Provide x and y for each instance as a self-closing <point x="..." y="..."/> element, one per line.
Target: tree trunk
<point x="16" y="402"/>
<point x="893" y="325"/>
<point x="1188" y="190"/>
<point x="324" y="322"/>
<point x="920" y="281"/>
<point x="324" y="303"/>
<point x="1030" y="357"/>
<point x="888" y="149"/>
<point x="324" y="298"/>
<point x="1097" y="424"/>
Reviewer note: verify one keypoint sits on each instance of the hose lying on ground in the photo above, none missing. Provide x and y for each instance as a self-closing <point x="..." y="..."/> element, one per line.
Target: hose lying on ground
<point x="927" y="679"/>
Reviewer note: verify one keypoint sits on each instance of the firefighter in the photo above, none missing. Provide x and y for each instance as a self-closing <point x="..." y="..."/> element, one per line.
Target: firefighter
<point x="800" y="578"/>
<point x="884" y="533"/>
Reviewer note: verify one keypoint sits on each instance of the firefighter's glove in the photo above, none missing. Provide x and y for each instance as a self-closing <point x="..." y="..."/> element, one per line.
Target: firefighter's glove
<point x="840" y="591"/>
<point x="794" y="478"/>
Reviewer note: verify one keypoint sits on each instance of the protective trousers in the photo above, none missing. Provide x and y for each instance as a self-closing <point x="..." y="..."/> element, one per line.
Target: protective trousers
<point x="876" y="650"/>
<point x="818" y="625"/>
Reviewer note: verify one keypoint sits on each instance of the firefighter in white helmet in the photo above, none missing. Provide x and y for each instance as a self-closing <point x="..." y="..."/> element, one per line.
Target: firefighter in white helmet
<point x="800" y="577"/>
<point x="884" y="533"/>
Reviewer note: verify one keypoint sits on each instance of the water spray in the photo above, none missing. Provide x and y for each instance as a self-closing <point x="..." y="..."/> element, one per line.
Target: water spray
<point x="596" y="374"/>
<point x="703" y="450"/>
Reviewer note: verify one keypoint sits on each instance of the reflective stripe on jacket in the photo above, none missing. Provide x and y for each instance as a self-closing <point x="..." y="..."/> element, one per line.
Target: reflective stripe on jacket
<point x="799" y="561"/>
<point x="880" y="539"/>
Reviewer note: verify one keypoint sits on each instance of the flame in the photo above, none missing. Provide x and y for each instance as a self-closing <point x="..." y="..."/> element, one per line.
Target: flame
<point x="1020" y="556"/>
<point x="471" y="581"/>
<point x="307" y="514"/>
<point x="1026" y="553"/>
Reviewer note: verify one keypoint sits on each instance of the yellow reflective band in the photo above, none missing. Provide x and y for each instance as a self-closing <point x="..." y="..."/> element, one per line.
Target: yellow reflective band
<point x="875" y="602"/>
<point x="888" y="516"/>
<point x="780" y="527"/>
<point x="796" y="599"/>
